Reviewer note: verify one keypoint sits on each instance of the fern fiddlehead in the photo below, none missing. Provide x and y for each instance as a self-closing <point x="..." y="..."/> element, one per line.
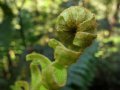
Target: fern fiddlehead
<point x="76" y="31"/>
<point x="76" y="27"/>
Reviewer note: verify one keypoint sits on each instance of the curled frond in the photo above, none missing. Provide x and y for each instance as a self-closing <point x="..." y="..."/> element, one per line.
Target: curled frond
<point x="73" y="20"/>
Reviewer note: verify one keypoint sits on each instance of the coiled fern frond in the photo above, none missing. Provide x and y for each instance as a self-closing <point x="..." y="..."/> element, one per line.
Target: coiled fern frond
<point x="76" y="27"/>
<point x="76" y="31"/>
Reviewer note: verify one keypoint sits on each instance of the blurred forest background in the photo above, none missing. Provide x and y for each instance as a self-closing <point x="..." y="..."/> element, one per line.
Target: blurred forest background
<point x="27" y="26"/>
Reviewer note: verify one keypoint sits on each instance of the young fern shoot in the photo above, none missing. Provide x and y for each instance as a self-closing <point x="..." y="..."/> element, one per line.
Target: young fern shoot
<point x="76" y="31"/>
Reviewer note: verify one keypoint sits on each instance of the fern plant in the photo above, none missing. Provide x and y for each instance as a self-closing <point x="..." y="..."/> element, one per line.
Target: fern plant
<point x="76" y="31"/>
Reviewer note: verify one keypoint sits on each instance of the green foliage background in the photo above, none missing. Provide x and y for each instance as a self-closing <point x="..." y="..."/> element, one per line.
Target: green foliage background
<point x="27" y="26"/>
